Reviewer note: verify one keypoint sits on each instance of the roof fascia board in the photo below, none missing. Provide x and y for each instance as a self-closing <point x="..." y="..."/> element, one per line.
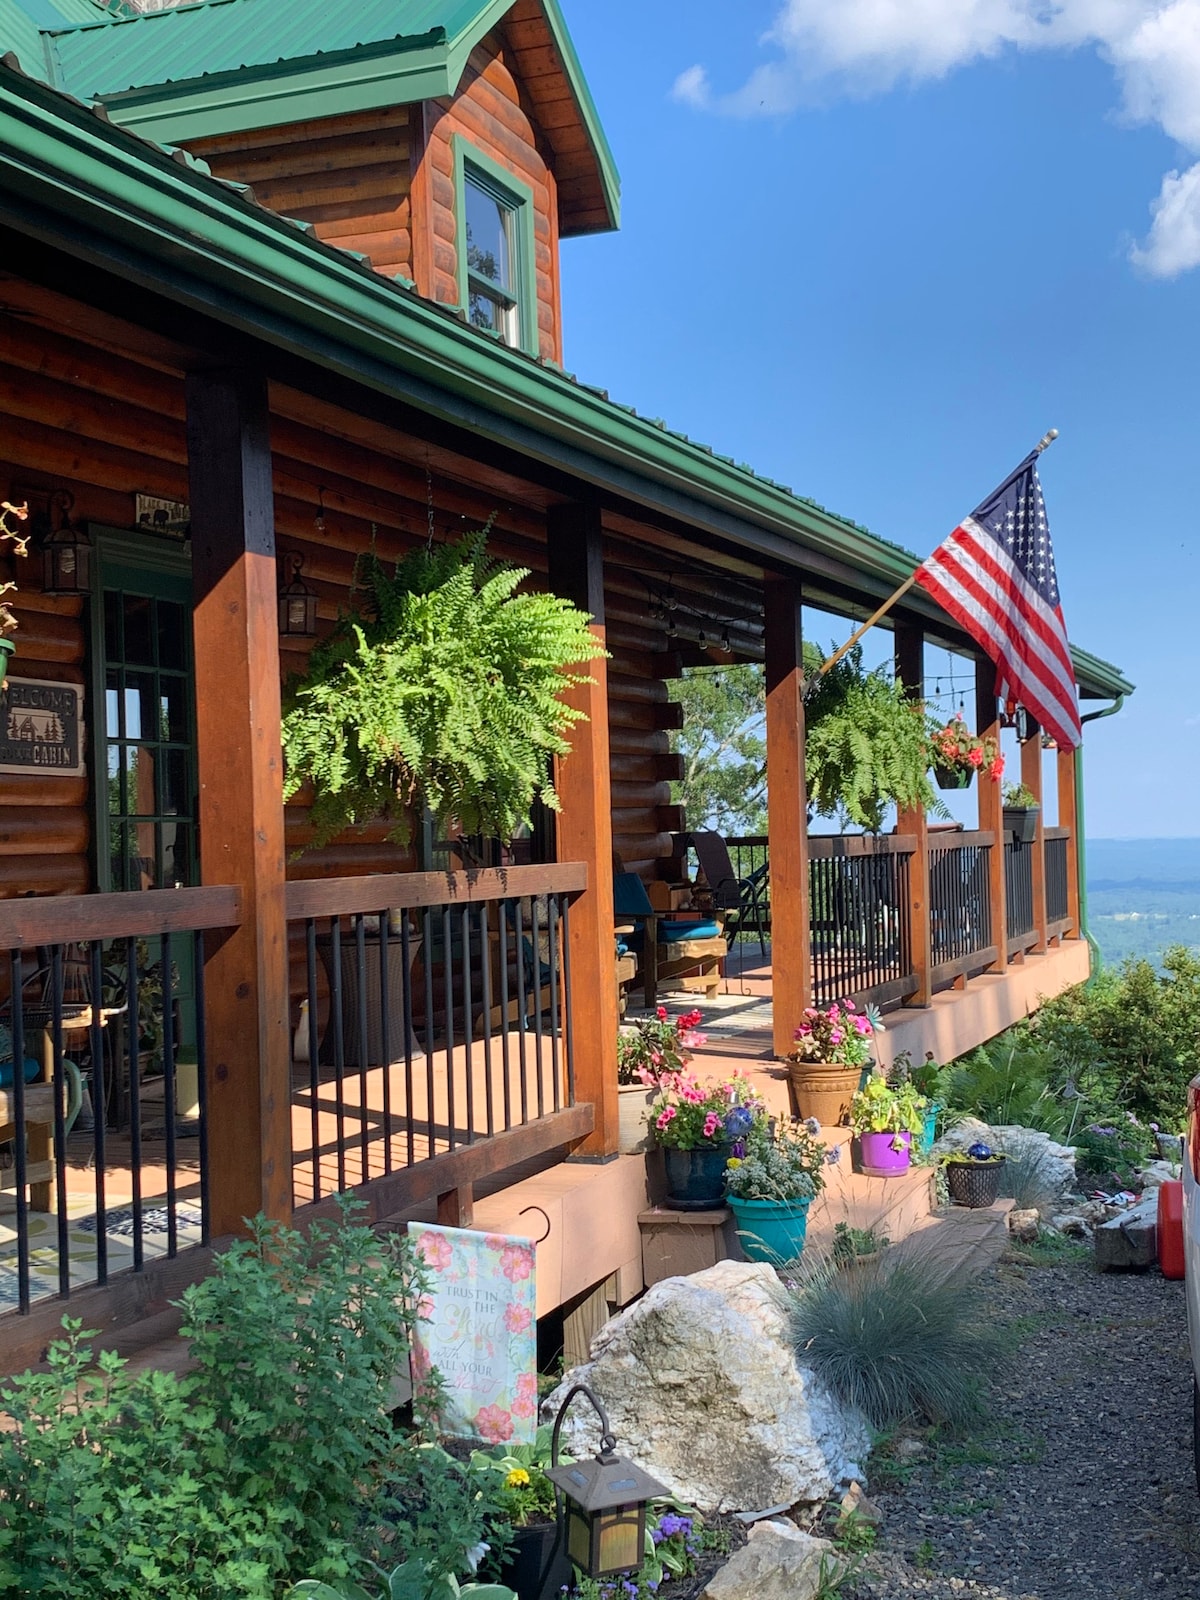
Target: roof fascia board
<point x="136" y="210"/>
<point x="610" y="178"/>
<point x="364" y="79"/>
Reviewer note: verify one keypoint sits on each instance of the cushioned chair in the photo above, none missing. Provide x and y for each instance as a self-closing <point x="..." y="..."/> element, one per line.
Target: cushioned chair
<point x="668" y="948"/>
<point x="743" y="902"/>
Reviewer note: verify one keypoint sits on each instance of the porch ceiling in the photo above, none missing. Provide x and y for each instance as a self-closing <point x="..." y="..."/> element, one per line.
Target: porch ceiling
<point x="158" y="221"/>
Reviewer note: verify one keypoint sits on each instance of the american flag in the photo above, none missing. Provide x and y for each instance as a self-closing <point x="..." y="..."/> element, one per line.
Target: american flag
<point x="995" y="576"/>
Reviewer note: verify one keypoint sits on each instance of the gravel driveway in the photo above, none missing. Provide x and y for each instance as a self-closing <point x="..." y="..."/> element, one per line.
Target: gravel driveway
<point x="1080" y="1485"/>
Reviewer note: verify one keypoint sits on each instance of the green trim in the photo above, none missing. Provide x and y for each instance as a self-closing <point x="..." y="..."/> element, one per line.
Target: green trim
<point x="518" y="198"/>
<point x="91" y="189"/>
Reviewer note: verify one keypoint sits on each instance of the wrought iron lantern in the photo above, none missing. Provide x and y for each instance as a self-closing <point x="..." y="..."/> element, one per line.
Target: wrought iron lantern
<point x="297" y="604"/>
<point x="66" y="550"/>
<point x="603" y="1502"/>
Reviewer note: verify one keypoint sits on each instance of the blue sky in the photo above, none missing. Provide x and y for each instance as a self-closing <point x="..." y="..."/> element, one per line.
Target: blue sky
<point x="886" y="282"/>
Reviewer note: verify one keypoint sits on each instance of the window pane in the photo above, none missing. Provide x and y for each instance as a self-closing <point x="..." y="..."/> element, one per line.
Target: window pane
<point x="139" y="767"/>
<point x="112" y="625"/>
<point x="176" y="857"/>
<point x="140" y="698"/>
<point x="172" y="639"/>
<point x="175" y="799"/>
<point x="173" y="709"/>
<point x="112" y="705"/>
<point x="139" y="643"/>
<point x="488" y="244"/>
<point x="485" y="312"/>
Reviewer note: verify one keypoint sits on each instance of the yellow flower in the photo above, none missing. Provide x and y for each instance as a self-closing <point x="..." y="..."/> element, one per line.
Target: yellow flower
<point x="517" y="1478"/>
<point x="734" y="1161"/>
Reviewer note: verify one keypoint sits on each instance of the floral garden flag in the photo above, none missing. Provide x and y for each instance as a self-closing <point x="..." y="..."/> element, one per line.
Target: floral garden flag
<point x="477" y="1328"/>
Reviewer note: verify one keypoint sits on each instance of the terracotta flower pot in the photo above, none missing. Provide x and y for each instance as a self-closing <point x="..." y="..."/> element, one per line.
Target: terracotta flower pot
<point x="633" y="1102"/>
<point x="823" y="1089"/>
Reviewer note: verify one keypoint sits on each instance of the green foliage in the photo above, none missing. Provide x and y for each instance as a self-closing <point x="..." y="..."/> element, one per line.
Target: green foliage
<point x="897" y="1339"/>
<point x="724" y="784"/>
<point x="443" y="691"/>
<point x="412" y="1581"/>
<point x="851" y="1244"/>
<point x="262" y="1460"/>
<point x="1110" y="1152"/>
<point x="523" y="1493"/>
<point x="1024" y="1179"/>
<point x="1008" y="1081"/>
<point x="1019" y="797"/>
<point x="784" y="1163"/>
<point x="867" y="747"/>
<point x="1134" y="1036"/>
<point x="880" y="1107"/>
<point x="854" y="1535"/>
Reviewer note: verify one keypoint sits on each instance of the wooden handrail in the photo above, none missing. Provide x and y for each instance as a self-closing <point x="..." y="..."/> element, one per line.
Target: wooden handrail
<point x="1056" y="833"/>
<point x="140" y="914"/>
<point x="825" y="846"/>
<point x="374" y="892"/>
<point x="981" y="838"/>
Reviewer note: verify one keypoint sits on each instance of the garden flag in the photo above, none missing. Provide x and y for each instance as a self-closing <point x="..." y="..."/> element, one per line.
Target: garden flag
<point x="995" y="575"/>
<point x="477" y="1327"/>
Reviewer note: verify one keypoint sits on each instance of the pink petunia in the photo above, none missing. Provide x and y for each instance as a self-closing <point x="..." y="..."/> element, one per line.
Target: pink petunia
<point x="835" y="1036"/>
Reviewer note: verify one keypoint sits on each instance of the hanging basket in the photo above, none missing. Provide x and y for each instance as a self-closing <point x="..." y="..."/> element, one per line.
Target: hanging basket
<point x="974" y="1184"/>
<point x="953" y="777"/>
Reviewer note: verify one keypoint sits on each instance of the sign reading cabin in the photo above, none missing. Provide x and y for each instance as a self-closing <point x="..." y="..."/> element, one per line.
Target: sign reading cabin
<point x="41" y="727"/>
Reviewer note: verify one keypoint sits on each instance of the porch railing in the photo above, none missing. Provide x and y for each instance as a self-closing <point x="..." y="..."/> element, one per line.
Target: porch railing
<point x="437" y="1040"/>
<point x="103" y="1093"/>
<point x="960" y="904"/>
<point x="860" y="917"/>
<point x="1058" y="893"/>
<point x="1018" y="895"/>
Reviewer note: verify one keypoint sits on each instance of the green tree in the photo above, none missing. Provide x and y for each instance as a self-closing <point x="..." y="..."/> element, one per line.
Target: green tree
<point x="724" y="748"/>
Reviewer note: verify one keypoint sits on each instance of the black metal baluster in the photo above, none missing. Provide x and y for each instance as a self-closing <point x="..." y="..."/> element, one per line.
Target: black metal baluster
<point x="385" y="1037"/>
<point x="21" y="1167"/>
<point x="569" y="1020"/>
<point x="339" y="1045"/>
<point x="485" y="978"/>
<point x="502" y="920"/>
<point x="519" y="944"/>
<point x="168" y="1007"/>
<point x="314" y="1051"/>
<point x="96" y="1064"/>
<point x="448" y="990"/>
<point x="133" y="1029"/>
<point x="468" y="1023"/>
<point x="552" y="949"/>
<point x="407" y="1011"/>
<point x="430" y="1076"/>
<point x="364" y="1085"/>
<point x="202" y="1089"/>
<point x="57" y="1077"/>
<point x="536" y="933"/>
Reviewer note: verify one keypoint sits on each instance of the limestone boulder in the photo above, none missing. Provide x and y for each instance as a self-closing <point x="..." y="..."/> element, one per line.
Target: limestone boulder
<point x="1054" y="1162"/>
<point x="778" y="1562"/>
<point x="703" y="1391"/>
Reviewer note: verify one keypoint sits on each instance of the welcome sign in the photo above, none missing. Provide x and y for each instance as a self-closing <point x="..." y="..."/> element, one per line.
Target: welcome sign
<point x="41" y="727"/>
<point x="477" y="1328"/>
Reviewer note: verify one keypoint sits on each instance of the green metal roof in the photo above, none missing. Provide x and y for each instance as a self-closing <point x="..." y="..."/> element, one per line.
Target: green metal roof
<point x="223" y="66"/>
<point x="159" y="220"/>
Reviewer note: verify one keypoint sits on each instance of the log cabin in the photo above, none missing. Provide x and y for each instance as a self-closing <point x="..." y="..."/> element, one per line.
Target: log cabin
<point x="280" y="282"/>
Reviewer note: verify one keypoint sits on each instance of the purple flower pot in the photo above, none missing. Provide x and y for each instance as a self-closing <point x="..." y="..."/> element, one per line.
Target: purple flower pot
<point x="879" y="1159"/>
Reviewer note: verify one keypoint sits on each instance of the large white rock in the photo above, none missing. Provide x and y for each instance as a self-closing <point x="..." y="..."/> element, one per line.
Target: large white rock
<point x="1054" y="1161"/>
<point x="703" y="1391"/>
<point x="779" y="1562"/>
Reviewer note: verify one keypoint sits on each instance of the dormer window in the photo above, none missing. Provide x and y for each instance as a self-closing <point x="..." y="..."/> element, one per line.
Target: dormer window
<point x="495" y="256"/>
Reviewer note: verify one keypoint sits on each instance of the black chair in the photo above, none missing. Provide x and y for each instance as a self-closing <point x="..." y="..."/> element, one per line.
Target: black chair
<point x="744" y="902"/>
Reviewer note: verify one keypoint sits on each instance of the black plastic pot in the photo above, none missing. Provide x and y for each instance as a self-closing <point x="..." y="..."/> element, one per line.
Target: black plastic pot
<point x="974" y="1183"/>
<point x="533" y="1568"/>
<point x="953" y="777"/>
<point x="1021" y="822"/>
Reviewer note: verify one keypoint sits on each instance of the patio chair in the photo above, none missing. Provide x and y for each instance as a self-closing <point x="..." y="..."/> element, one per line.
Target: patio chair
<point x="669" y="948"/>
<point x="743" y="902"/>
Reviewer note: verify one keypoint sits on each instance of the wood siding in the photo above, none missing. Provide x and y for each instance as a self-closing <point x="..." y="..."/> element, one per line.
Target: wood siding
<point x="347" y="175"/>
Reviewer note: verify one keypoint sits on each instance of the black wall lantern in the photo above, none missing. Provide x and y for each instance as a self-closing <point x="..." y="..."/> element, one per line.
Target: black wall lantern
<point x="66" y="549"/>
<point x="297" y="604"/>
<point x="604" y="1501"/>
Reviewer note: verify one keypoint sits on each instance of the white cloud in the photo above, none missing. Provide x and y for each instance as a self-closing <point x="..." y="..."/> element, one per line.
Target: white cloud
<point x="862" y="47"/>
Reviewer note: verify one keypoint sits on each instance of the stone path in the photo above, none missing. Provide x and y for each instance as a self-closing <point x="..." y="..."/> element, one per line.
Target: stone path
<point x="1080" y="1485"/>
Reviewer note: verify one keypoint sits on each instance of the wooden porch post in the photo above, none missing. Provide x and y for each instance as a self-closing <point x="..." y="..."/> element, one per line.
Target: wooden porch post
<point x="991" y="807"/>
<point x="1068" y="817"/>
<point x="235" y="627"/>
<point x="910" y="671"/>
<point x="787" y="811"/>
<point x="1031" y="777"/>
<point x="584" y="827"/>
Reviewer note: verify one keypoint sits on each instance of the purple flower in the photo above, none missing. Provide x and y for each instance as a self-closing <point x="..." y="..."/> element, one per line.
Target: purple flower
<point x="833" y="1155"/>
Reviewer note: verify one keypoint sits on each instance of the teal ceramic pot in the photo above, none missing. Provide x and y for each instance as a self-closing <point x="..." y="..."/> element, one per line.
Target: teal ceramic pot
<point x="696" y="1178"/>
<point x="928" y="1134"/>
<point x="771" y="1230"/>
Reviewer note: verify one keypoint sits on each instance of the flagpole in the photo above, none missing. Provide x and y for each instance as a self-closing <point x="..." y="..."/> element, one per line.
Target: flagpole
<point x="1043" y="443"/>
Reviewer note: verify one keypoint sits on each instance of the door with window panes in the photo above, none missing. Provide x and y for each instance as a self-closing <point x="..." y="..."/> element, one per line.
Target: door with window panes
<point x="142" y="654"/>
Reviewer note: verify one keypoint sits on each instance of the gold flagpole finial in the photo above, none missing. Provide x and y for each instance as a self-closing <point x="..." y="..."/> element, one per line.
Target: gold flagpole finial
<point x="1047" y="440"/>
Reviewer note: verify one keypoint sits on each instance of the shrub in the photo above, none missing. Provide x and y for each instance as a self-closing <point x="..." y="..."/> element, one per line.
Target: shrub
<point x="1111" y="1151"/>
<point x="261" y="1462"/>
<point x="897" y="1339"/>
<point x="1008" y="1081"/>
<point x="1024" y="1179"/>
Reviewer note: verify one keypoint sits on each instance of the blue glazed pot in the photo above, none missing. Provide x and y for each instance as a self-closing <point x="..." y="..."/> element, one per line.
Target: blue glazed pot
<point x="928" y="1133"/>
<point x="695" y="1178"/>
<point x="771" y="1230"/>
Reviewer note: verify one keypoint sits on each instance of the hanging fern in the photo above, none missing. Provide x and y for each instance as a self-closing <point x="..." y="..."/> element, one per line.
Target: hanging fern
<point x="443" y="691"/>
<point x="866" y="745"/>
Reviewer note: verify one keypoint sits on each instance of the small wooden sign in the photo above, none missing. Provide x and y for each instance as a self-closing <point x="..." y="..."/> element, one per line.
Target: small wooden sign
<point x="41" y="727"/>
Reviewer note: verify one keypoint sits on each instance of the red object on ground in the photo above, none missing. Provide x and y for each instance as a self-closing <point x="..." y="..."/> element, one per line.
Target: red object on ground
<point x="1170" y="1228"/>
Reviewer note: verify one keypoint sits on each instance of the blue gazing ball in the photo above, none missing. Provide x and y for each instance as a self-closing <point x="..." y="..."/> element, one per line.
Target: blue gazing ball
<point x="980" y="1151"/>
<point x="738" y="1121"/>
